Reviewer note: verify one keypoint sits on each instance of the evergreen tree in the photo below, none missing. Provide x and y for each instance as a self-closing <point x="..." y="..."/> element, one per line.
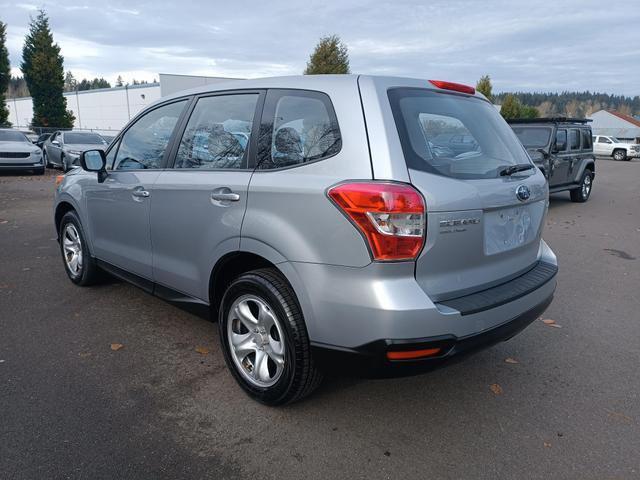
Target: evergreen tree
<point x="119" y="81"/>
<point x="511" y="107"/>
<point x="329" y="56"/>
<point x="42" y="67"/>
<point x="484" y="87"/>
<point x="5" y="76"/>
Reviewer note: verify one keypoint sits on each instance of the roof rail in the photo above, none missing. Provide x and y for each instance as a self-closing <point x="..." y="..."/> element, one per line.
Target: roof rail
<point x="549" y="120"/>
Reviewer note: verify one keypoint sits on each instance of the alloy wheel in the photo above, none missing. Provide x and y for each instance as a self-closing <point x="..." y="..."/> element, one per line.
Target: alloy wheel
<point x="72" y="247"/>
<point x="256" y="340"/>
<point x="586" y="186"/>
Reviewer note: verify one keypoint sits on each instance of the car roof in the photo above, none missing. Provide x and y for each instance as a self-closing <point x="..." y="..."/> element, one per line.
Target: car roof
<point x="327" y="82"/>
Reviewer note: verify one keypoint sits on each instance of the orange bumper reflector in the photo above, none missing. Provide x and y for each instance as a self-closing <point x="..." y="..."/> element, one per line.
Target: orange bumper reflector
<point x="59" y="179"/>
<point x="411" y="354"/>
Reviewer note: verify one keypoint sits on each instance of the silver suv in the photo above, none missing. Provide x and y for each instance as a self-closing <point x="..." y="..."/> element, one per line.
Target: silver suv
<point x="322" y="221"/>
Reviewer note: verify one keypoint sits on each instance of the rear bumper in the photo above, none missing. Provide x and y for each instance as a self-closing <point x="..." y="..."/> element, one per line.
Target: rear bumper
<point x="370" y="360"/>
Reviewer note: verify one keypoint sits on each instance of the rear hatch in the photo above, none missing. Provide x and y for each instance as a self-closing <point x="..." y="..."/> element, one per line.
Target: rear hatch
<point x="484" y="217"/>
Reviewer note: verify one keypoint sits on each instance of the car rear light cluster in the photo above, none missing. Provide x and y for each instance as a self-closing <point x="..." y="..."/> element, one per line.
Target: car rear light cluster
<point x="390" y="216"/>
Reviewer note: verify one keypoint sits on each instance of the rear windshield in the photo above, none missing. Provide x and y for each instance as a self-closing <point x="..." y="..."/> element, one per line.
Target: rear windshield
<point x="87" y="138"/>
<point x="453" y="135"/>
<point x="11" y="136"/>
<point x="533" y="137"/>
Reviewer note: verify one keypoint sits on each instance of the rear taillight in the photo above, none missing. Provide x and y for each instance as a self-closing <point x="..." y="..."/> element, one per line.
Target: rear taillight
<point x="390" y="216"/>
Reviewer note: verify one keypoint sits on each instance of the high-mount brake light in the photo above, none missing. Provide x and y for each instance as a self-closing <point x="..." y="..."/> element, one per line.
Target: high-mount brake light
<point x="391" y="216"/>
<point x="456" y="87"/>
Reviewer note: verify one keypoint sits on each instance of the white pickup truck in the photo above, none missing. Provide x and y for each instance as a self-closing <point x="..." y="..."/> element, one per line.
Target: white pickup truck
<point x="612" y="147"/>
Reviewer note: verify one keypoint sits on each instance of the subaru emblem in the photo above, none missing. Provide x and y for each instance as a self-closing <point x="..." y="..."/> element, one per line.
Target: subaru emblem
<point x="523" y="193"/>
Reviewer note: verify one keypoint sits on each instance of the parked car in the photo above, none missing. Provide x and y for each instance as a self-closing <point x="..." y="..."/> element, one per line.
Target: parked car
<point x="335" y="236"/>
<point x="608" y="146"/>
<point x="562" y="148"/>
<point x="18" y="153"/>
<point x="41" y="139"/>
<point x="63" y="149"/>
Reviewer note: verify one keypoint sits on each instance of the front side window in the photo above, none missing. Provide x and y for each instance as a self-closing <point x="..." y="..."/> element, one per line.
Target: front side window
<point x="574" y="139"/>
<point x="144" y="143"/>
<point x="217" y="135"/>
<point x="453" y="135"/>
<point x="298" y="127"/>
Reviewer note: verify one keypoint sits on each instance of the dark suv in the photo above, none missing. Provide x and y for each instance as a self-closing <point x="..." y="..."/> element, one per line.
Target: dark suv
<point x="562" y="148"/>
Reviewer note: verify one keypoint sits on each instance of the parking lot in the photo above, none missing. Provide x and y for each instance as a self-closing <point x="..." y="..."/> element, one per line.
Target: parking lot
<point x="557" y="401"/>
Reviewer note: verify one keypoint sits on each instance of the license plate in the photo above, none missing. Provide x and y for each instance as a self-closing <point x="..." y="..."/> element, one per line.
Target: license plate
<point x="512" y="227"/>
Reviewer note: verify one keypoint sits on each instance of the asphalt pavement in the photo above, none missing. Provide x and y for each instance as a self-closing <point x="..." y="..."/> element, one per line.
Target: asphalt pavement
<point x="566" y="403"/>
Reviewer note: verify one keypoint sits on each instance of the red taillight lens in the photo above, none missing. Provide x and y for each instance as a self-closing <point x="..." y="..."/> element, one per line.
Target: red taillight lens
<point x="391" y="217"/>
<point x="456" y="87"/>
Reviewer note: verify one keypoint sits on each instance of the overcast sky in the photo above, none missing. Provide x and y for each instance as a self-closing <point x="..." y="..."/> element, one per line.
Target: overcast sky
<point x="524" y="45"/>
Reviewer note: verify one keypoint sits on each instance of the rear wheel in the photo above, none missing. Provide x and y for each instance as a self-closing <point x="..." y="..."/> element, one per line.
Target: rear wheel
<point x="264" y="339"/>
<point x="619" y="154"/>
<point x="582" y="193"/>
<point x="78" y="263"/>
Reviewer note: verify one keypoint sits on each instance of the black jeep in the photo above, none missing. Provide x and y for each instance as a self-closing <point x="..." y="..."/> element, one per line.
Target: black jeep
<point x="562" y="148"/>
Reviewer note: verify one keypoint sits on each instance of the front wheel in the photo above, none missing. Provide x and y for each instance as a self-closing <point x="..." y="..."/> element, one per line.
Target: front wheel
<point x="264" y="339"/>
<point x="80" y="267"/>
<point x="63" y="161"/>
<point x="619" y="155"/>
<point x="582" y="193"/>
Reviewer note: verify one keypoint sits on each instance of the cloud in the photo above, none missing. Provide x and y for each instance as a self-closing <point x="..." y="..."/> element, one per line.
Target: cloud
<point x="545" y="45"/>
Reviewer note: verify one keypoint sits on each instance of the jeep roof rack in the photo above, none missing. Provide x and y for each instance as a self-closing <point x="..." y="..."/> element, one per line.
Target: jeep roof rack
<point x="549" y="120"/>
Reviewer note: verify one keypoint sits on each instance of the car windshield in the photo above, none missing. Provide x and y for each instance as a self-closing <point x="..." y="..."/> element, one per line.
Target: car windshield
<point x="86" y="138"/>
<point x="12" y="136"/>
<point x="614" y="140"/>
<point x="454" y="135"/>
<point x="533" y="137"/>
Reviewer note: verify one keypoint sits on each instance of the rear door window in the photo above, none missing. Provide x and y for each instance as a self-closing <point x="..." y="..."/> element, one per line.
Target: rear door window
<point x="453" y="135"/>
<point x="218" y="132"/>
<point x="586" y="139"/>
<point x="298" y="127"/>
<point x="574" y="139"/>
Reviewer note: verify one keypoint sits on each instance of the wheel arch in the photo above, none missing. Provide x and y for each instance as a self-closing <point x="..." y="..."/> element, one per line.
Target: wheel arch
<point x="61" y="210"/>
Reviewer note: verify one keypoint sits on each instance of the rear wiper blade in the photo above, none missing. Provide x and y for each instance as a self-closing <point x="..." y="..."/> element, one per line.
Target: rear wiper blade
<point x="521" y="167"/>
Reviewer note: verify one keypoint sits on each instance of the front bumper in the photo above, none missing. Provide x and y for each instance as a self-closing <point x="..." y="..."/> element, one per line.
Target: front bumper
<point x="633" y="154"/>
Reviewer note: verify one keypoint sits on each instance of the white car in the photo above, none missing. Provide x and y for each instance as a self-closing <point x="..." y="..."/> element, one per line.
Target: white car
<point x="18" y="153"/>
<point x="612" y="147"/>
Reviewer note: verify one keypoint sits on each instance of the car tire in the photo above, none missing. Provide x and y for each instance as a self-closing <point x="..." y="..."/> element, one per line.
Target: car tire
<point x="45" y="158"/>
<point x="73" y="245"/>
<point x="63" y="163"/>
<point x="619" y="154"/>
<point x="261" y="324"/>
<point x="582" y="193"/>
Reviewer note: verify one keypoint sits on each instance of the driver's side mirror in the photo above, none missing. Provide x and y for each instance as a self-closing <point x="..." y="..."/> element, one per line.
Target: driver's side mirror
<point x="95" y="161"/>
<point x="56" y="143"/>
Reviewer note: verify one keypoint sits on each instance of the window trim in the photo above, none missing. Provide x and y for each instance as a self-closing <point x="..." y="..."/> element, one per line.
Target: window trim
<point x="273" y="95"/>
<point x="253" y="140"/>
<point x="118" y="140"/>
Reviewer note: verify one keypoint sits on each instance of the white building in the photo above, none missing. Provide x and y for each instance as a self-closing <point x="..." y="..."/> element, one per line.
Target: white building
<point x="615" y="124"/>
<point x="107" y="110"/>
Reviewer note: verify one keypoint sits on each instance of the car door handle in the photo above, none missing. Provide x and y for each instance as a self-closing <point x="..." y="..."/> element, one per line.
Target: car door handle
<point x="140" y="193"/>
<point x="225" y="196"/>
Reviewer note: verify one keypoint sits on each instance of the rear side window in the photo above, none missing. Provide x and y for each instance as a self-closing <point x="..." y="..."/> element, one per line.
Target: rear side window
<point x="561" y="140"/>
<point x="298" y="127"/>
<point x="144" y="143"/>
<point x="574" y="139"/>
<point x="586" y="140"/>
<point x="218" y="132"/>
<point x="453" y="135"/>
